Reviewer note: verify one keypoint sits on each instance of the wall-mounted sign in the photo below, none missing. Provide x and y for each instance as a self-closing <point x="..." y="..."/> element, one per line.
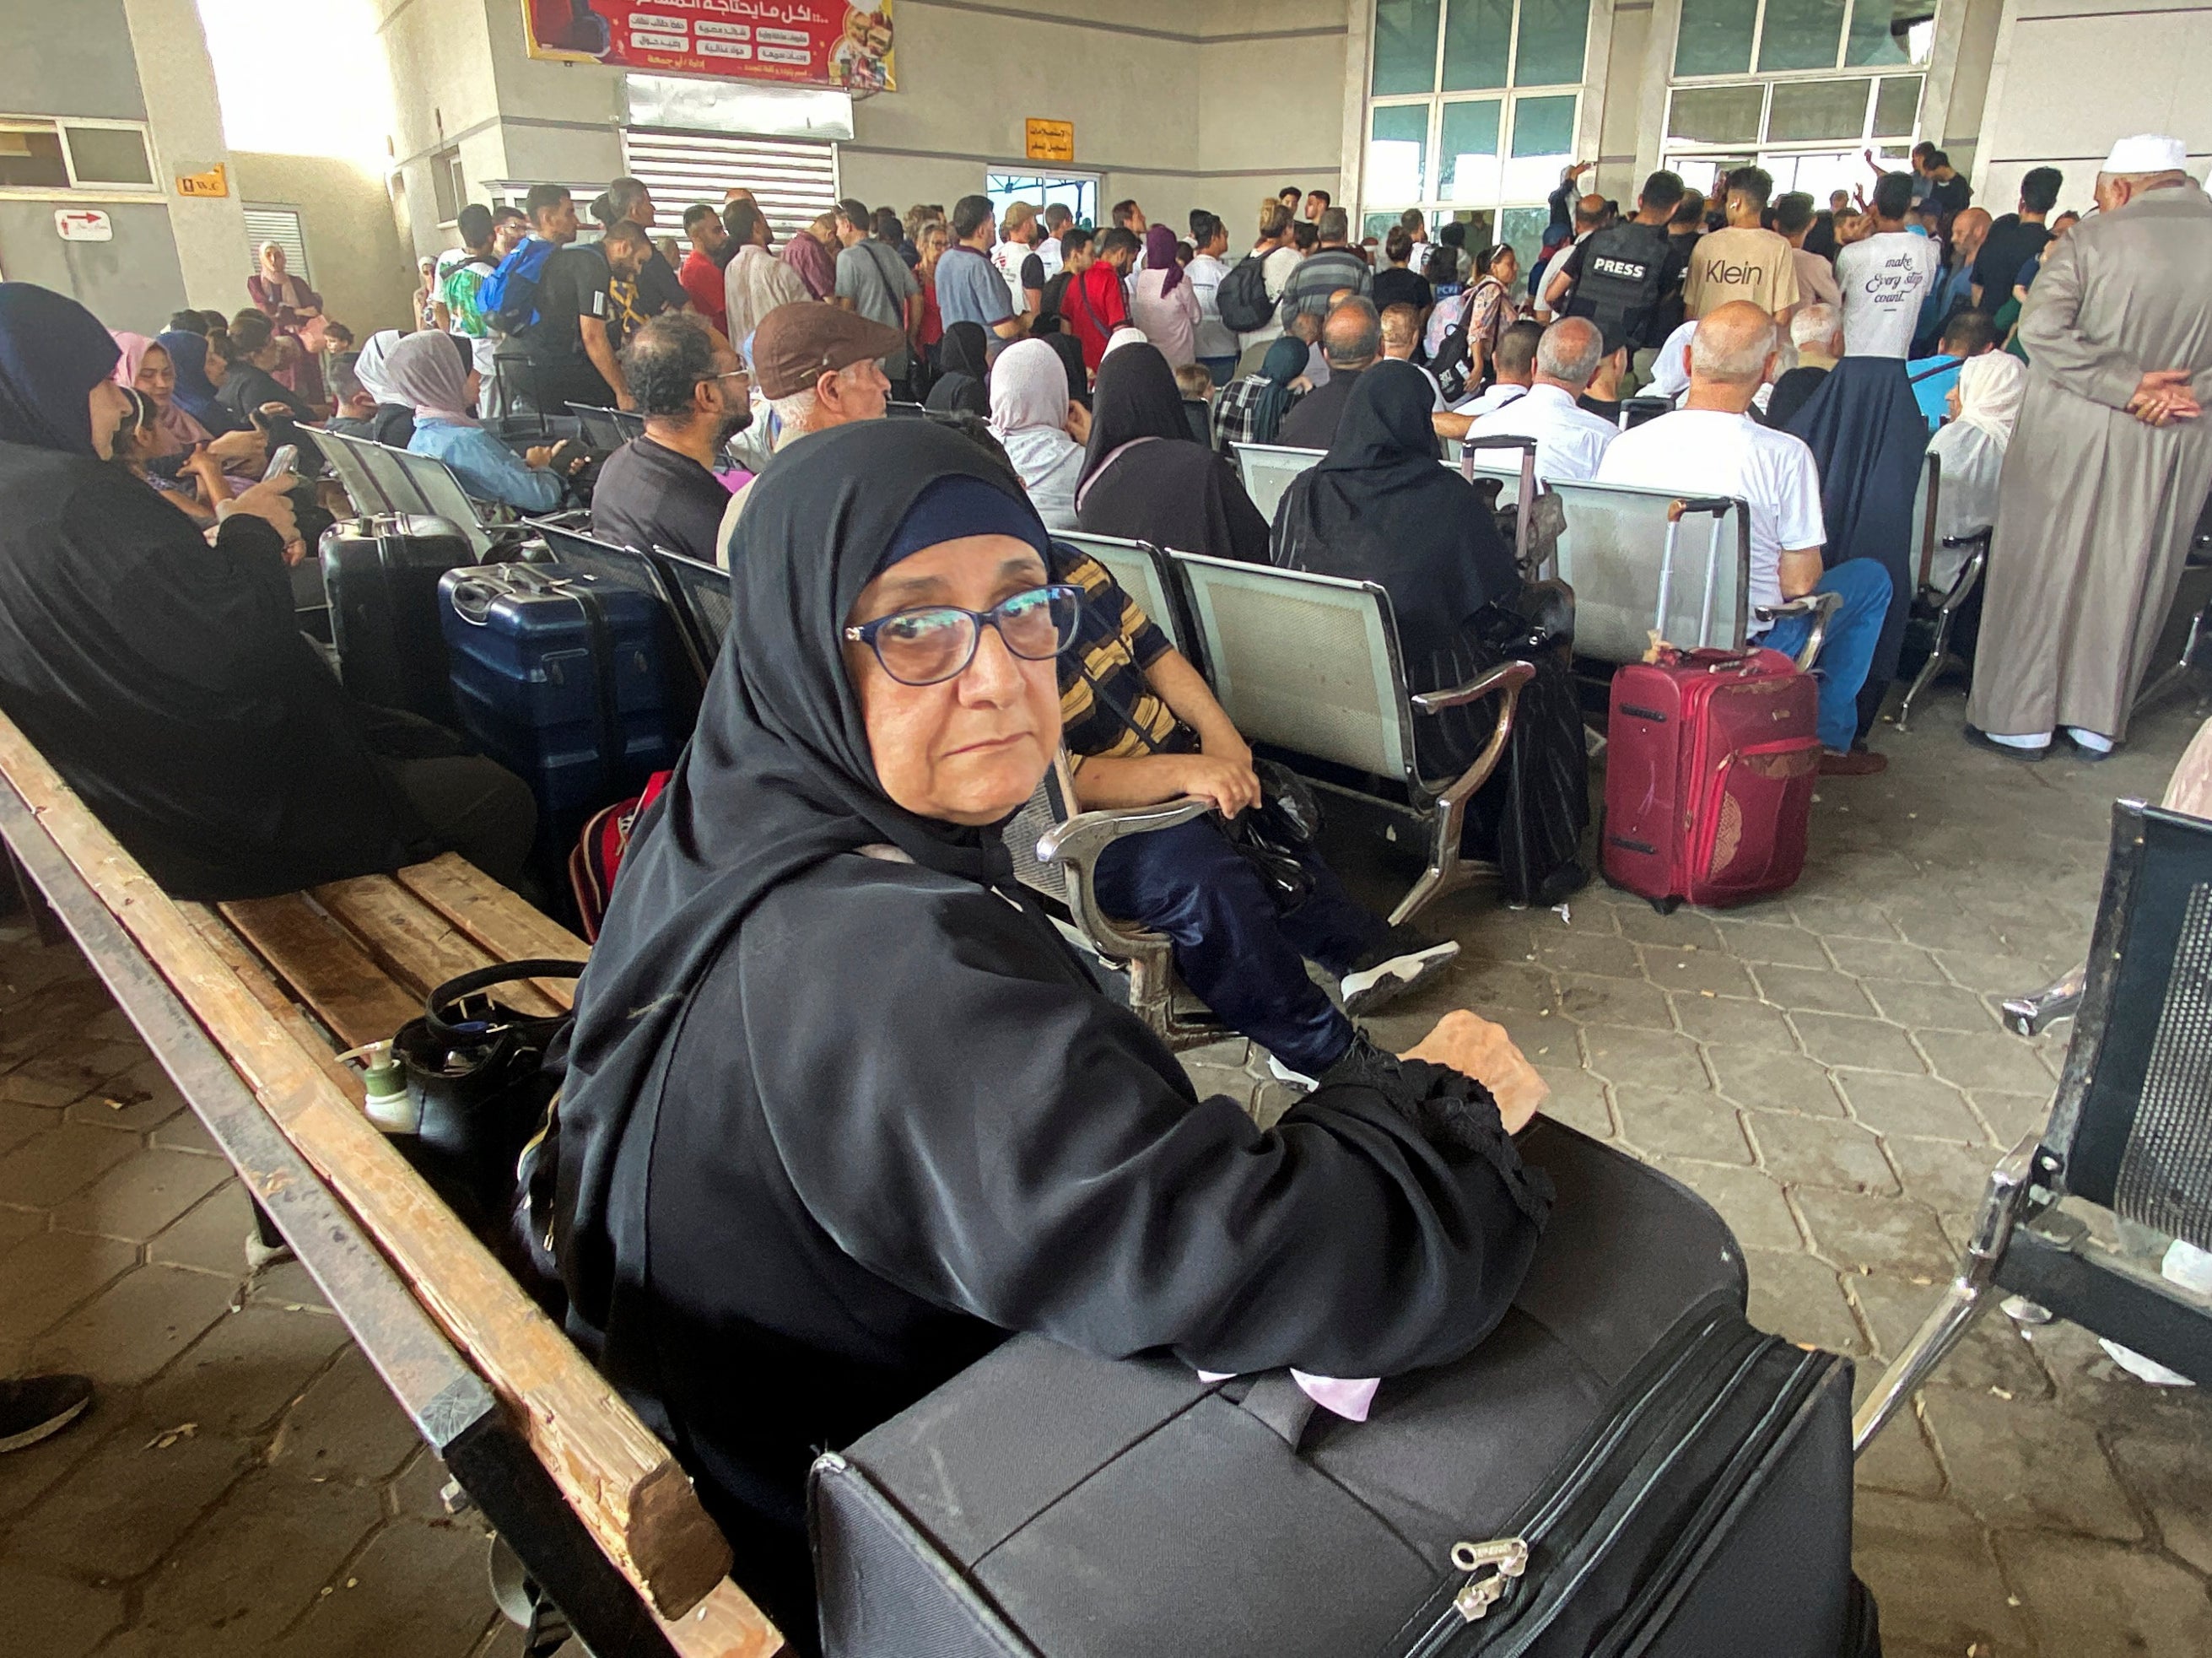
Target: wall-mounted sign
<point x="83" y="224"/>
<point x="1049" y="141"/>
<point x="216" y="181"/>
<point x="820" y="43"/>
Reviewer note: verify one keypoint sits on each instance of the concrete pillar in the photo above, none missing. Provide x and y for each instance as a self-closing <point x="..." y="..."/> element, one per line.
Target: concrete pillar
<point x="185" y="118"/>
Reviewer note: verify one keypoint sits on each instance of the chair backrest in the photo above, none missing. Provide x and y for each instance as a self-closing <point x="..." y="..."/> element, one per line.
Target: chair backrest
<point x="601" y="428"/>
<point x="1267" y="470"/>
<point x="1308" y="662"/>
<point x="702" y="593"/>
<point x="1612" y="551"/>
<point x="353" y="473"/>
<point x="2131" y="1128"/>
<point x="1141" y="571"/>
<point x="1927" y="509"/>
<point x="441" y="492"/>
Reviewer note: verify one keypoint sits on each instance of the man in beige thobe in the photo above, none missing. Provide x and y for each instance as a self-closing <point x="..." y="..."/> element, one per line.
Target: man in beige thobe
<point x="2109" y="466"/>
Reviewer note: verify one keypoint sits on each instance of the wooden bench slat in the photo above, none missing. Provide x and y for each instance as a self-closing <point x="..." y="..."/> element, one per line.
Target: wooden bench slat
<point x="489" y="914"/>
<point x="322" y="962"/>
<point x="630" y="1492"/>
<point x="415" y="944"/>
<point x="255" y="976"/>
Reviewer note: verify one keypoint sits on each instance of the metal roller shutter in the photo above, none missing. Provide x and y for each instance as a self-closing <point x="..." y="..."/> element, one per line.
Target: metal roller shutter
<point x="793" y="179"/>
<point x="280" y="225"/>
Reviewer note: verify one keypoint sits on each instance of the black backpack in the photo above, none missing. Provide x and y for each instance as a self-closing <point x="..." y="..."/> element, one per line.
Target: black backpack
<point x="1623" y="268"/>
<point x="1242" y="299"/>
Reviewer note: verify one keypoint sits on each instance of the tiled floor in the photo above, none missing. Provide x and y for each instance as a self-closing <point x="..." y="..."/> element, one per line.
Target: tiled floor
<point x="1825" y="1067"/>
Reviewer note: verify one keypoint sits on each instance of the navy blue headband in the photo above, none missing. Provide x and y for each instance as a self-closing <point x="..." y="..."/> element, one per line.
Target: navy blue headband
<point x="958" y="506"/>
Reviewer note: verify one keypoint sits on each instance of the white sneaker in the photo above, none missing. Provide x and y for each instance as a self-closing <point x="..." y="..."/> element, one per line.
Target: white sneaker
<point x="1407" y="957"/>
<point x="1283" y="1073"/>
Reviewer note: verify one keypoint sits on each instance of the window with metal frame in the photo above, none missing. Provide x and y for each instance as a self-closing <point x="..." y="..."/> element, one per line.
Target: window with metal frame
<point x="1810" y="134"/>
<point x="1077" y="192"/>
<point x="1473" y="106"/>
<point x="793" y="181"/>
<point x="43" y="155"/>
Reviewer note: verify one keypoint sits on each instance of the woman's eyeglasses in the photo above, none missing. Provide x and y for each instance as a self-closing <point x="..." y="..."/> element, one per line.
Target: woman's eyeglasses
<point x="932" y="643"/>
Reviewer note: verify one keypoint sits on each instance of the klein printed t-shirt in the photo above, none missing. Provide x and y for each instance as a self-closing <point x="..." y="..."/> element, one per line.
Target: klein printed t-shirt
<point x="1739" y="264"/>
<point x="1709" y="452"/>
<point x="1884" y="279"/>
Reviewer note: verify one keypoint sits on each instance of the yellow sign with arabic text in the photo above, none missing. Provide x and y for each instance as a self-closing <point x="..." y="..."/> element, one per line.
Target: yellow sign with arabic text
<point x="1049" y="141"/>
<point x="216" y="181"/>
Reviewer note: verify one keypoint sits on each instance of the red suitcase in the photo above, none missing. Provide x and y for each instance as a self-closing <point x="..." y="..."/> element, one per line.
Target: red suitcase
<point x="1711" y="760"/>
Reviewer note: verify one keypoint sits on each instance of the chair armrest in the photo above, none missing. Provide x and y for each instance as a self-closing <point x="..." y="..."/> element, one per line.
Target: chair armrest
<point x="2030" y="1015"/>
<point x="1084" y="836"/>
<point x="1076" y="846"/>
<point x="1822" y="607"/>
<point x="1506" y="676"/>
<point x="1977" y="537"/>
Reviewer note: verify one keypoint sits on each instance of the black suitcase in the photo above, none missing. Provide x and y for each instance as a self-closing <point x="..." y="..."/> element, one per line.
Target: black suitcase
<point x="381" y="574"/>
<point x="1624" y="1467"/>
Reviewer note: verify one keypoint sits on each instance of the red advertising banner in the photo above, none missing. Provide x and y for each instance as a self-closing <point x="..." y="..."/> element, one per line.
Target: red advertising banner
<point x="813" y="43"/>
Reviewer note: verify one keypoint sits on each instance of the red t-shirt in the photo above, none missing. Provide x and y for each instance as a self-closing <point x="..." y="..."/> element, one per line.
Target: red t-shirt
<point x="702" y="280"/>
<point x="1093" y="309"/>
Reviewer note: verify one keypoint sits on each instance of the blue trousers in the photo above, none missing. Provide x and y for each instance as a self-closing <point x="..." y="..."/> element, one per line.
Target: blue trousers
<point x="1242" y="956"/>
<point x="1848" y="651"/>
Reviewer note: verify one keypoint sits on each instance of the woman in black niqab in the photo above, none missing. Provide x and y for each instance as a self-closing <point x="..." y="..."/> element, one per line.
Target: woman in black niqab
<point x="842" y="1110"/>
<point x="1147" y="477"/>
<point x="1379" y="507"/>
<point x="164" y="677"/>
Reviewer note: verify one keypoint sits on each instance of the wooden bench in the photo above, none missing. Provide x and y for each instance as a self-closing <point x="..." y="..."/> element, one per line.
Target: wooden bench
<point x="246" y="1005"/>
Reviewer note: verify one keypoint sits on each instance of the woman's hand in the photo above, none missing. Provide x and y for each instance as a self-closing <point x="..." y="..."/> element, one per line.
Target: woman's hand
<point x="271" y="502"/>
<point x="248" y="450"/>
<point x="1475" y="1047"/>
<point x="1078" y="422"/>
<point x="1230" y="786"/>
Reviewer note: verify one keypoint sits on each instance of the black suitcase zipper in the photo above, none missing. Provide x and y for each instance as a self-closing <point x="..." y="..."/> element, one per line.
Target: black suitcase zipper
<point x="1700" y="1368"/>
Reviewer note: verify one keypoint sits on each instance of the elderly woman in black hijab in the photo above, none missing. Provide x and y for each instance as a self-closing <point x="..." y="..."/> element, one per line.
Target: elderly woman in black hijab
<point x="1379" y="507"/>
<point x="1147" y="478"/>
<point x="963" y="370"/>
<point x="166" y="677"/>
<point x="842" y="1110"/>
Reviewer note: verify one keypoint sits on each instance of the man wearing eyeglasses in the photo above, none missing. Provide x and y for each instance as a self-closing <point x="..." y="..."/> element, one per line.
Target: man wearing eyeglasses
<point x="1141" y="728"/>
<point x="659" y="489"/>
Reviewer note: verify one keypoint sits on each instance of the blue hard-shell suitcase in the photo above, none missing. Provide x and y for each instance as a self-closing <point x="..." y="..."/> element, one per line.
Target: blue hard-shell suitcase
<point x="563" y="679"/>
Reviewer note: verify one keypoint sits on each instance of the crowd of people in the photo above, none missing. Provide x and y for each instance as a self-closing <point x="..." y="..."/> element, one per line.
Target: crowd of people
<point x="910" y="644"/>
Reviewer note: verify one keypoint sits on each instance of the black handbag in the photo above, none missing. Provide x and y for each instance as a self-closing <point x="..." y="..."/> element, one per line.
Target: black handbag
<point x="476" y="1070"/>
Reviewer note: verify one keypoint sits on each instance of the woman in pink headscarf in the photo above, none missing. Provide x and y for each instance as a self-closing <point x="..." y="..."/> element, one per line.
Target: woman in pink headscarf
<point x="1163" y="303"/>
<point x="145" y="366"/>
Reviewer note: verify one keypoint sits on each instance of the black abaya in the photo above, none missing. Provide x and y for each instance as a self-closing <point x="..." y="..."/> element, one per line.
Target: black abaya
<point x="166" y="679"/>
<point x="1378" y="507"/>
<point x="1146" y="476"/>
<point x="837" y="1120"/>
<point x="963" y="370"/>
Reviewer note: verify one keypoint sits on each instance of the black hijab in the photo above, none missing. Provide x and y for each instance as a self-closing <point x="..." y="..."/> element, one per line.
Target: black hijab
<point x="1378" y="507"/>
<point x="196" y="394"/>
<point x="52" y="353"/>
<point x="964" y="360"/>
<point x="777" y="777"/>
<point x="1070" y="350"/>
<point x="1145" y="475"/>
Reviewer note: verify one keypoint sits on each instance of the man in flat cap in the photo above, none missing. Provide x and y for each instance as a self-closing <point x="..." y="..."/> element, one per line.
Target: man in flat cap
<point x="818" y="367"/>
<point x="2109" y="466"/>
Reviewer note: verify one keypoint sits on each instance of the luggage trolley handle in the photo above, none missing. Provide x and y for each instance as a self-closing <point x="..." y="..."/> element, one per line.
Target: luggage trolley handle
<point x="474" y="597"/>
<point x="1524" y="498"/>
<point x="1718" y="506"/>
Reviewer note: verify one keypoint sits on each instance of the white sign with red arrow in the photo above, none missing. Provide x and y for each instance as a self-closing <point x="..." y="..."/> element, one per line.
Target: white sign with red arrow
<point x="83" y="224"/>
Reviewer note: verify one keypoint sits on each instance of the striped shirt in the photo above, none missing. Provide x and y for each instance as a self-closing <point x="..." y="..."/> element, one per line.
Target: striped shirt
<point x="1103" y="690"/>
<point x="1320" y="275"/>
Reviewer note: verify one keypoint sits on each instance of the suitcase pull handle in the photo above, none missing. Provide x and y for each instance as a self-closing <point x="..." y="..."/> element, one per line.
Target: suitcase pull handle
<point x="472" y="601"/>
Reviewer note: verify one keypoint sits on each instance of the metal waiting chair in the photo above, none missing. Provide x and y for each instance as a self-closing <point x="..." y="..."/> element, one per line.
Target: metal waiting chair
<point x="384" y="482"/>
<point x="1266" y="470"/>
<point x="1142" y="571"/>
<point x="2185" y="643"/>
<point x="1944" y="607"/>
<point x="1310" y="665"/>
<point x="603" y="428"/>
<point x="2130" y="1130"/>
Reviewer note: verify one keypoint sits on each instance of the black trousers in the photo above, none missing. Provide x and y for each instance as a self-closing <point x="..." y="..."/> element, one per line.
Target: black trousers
<point x="473" y="806"/>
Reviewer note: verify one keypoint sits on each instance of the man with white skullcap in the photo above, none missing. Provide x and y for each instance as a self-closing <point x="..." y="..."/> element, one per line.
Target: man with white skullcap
<point x="2109" y="466"/>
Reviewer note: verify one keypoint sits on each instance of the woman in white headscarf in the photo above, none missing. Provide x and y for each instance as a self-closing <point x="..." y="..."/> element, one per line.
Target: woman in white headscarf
<point x="1984" y="404"/>
<point x="1040" y="429"/>
<point x="393" y="422"/>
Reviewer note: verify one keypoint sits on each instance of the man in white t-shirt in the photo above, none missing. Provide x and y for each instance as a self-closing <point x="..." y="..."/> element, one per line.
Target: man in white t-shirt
<point x="1712" y="446"/>
<point x="1216" y="346"/>
<point x="1885" y="277"/>
<point x="1570" y="440"/>
<point x="1514" y="362"/>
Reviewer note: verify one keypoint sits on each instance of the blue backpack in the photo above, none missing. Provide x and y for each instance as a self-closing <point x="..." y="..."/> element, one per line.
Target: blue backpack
<point x="509" y="295"/>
